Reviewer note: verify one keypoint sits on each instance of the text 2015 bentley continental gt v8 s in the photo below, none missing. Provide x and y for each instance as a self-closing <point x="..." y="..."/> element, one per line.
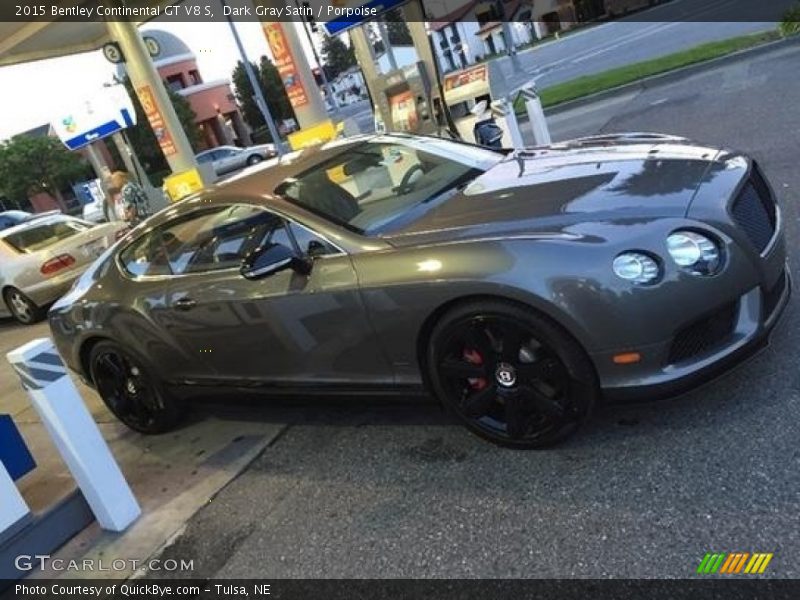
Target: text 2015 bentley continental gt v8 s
<point x="519" y="288"/>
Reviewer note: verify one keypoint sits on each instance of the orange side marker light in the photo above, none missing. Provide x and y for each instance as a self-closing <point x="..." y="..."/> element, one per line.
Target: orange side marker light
<point x="627" y="358"/>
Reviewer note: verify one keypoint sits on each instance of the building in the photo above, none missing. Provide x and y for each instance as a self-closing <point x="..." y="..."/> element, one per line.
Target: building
<point x="213" y="102"/>
<point x="474" y="30"/>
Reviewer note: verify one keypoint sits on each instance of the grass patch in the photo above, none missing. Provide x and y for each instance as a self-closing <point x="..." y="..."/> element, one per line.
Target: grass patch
<point x="591" y="84"/>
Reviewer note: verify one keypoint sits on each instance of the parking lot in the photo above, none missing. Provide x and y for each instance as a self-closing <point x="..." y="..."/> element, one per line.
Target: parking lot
<point x="395" y="488"/>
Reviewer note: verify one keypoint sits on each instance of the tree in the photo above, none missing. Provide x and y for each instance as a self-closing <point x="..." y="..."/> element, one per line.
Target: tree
<point x="337" y="55"/>
<point x="271" y="86"/>
<point x="34" y="164"/>
<point x="399" y="35"/>
<point x="143" y="139"/>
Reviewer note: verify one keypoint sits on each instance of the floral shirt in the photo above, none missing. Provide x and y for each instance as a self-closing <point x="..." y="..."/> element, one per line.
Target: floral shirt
<point x="133" y="197"/>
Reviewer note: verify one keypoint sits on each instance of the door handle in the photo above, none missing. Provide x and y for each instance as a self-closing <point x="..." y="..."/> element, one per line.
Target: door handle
<point x="185" y="303"/>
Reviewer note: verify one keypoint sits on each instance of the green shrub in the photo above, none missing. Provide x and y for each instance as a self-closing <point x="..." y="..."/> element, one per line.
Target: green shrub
<point x="791" y="22"/>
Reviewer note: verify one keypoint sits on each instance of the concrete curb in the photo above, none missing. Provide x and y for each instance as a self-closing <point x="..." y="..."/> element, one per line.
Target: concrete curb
<point x="44" y="534"/>
<point x="675" y="74"/>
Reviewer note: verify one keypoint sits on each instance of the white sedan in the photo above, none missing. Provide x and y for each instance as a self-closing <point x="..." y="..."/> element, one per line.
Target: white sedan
<point x="40" y="258"/>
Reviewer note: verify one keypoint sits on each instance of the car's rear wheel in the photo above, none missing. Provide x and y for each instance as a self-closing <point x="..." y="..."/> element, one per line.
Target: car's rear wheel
<point x="130" y="391"/>
<point x="510" y="375"/>
<point x="22" y="308"/>
<point x="254" y="160"/>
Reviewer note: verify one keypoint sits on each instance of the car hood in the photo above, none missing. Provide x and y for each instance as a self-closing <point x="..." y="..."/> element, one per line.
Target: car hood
<point x="550" y="188"/>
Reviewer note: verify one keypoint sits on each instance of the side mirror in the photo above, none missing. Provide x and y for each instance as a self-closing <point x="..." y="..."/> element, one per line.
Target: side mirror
<point x="271" y="259"/>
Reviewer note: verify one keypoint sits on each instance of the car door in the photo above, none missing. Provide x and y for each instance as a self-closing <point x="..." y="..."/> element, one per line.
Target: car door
<point x="287" y="328"/>
<point x="229" y="159"/>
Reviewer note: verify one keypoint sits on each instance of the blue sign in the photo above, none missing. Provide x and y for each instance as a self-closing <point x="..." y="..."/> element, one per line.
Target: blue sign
<point x="344" y="23"/>
<point x="14" y="453"/>
<point x="99" y="132"/>
<point x="109" y="110"/>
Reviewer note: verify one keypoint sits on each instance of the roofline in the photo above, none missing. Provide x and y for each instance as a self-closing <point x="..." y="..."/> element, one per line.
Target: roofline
<point x="171" y="60"/>
<point x="201" y="87"/>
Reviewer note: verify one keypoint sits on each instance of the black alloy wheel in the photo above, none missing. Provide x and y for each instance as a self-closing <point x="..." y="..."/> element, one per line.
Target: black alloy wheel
<point x="130" y="392"/>
<point x="511" y="376"/>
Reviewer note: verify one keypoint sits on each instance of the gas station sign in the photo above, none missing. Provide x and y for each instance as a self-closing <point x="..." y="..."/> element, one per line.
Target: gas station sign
<point x="359" y="12"/>
<point x="285" y="64"/>
<point x="110" y="110"/>
<point x="156" y="120"/>
<point x="180" y="185"/>
<point x="469" y="83"/>
<point x="311" y="136"/>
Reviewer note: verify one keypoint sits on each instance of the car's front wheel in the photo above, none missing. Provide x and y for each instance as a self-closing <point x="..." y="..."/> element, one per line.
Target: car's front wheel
<point x="22" y="308"/>
<point x="254" y="160"/>
<point x="510" y="375"/>
<point x="131" y="392"/>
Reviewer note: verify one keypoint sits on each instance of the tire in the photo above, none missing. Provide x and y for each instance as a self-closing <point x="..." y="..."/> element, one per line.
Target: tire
<point x="22" y="308"/>
<point x="510" y="375"/>
<point x="131" y="392"/>
<point x="254" y="160"/>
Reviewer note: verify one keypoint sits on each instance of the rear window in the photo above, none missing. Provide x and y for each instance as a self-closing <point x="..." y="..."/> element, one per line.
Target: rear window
<point x="33" y="239"/>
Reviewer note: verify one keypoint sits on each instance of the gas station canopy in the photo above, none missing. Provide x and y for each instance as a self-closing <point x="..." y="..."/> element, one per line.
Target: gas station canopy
<point x="39" y="39"/>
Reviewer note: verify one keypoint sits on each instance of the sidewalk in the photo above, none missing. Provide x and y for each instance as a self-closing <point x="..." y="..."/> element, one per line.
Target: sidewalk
<point x="172" y="475"/>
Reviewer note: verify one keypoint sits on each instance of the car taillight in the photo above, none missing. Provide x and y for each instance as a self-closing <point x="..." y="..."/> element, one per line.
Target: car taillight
<point x="62" y="261"/>
<point x="121" y="233"/>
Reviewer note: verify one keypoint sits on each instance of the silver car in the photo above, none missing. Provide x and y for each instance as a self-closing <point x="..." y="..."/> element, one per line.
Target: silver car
<point x="40" y="259"/>
<point x="225" y="159"/>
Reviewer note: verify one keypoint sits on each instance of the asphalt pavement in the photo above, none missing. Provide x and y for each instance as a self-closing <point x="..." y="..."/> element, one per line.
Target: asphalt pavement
<point x="377" y="488"/>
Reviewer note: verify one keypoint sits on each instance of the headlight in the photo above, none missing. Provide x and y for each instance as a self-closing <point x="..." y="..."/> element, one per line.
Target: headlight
<point x="696" y="253"/>
<point x="636" y="267"/>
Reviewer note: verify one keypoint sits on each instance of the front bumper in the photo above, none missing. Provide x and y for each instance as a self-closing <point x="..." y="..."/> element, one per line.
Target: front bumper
<point x="752" y="317"/>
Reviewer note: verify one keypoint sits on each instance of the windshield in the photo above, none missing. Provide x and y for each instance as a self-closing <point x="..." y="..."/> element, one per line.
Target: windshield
<point x="367" y="187"/>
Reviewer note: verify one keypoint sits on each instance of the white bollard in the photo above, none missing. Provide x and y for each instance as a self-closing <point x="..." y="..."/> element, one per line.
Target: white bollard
<point x="533" y="104"/>
<point x="12" y="507"/>
<point x="75" y="433"/>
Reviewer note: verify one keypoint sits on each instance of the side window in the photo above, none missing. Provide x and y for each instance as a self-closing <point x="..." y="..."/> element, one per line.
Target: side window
<point x="310" y="242"/>
<point x="205" y="240"/>
<point x="145" y="257"/>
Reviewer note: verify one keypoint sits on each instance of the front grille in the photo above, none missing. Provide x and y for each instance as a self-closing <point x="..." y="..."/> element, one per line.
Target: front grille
<point x="773" y="295"/>
<point x="754" y="211"/>
<point x="704" y="334"/>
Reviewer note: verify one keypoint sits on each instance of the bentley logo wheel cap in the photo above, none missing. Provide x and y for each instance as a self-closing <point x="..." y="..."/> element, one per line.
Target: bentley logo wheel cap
<point x="506" y="375"/>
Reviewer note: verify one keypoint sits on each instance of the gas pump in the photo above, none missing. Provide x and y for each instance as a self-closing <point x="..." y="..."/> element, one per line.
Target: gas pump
<point x="403" y="102"/>
<point x="467" y="93"/>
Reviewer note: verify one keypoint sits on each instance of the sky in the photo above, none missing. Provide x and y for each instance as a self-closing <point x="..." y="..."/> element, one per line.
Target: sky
<point x="42" y="86"/>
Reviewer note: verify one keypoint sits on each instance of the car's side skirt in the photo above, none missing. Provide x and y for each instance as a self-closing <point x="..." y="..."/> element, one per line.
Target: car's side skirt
<point x="215" y="388"/>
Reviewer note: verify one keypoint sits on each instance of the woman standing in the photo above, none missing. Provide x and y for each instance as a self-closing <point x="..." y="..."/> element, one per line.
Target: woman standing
<point x="135" y="203"/>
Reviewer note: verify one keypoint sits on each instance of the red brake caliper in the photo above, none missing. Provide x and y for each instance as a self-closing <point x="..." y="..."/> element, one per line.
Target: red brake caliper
<point x="475" y="358"/>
